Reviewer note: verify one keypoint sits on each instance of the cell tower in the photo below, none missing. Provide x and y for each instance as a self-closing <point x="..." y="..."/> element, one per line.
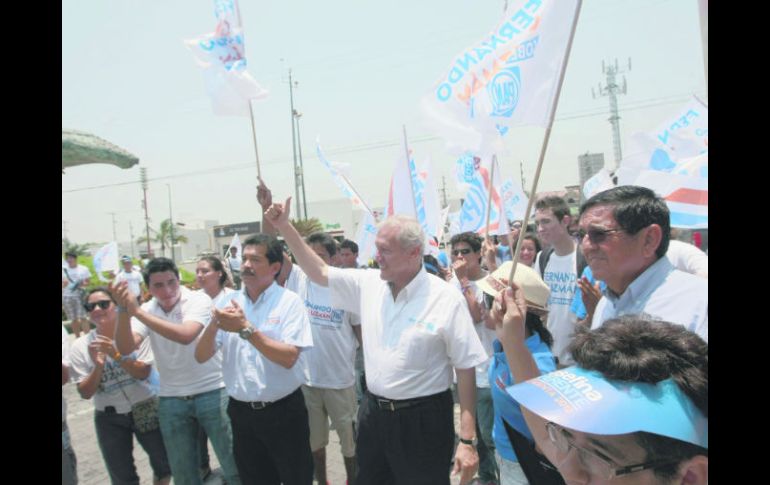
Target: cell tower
<point x="611" y="90"/>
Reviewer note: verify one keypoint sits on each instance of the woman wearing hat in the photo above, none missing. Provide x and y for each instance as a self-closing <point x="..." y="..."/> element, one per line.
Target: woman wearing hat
<point x="538" y="341"/>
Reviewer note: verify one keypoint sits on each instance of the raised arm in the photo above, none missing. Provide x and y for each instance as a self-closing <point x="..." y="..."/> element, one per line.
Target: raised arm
<point x="313" y="266"/>
<point x="508" y="313"/>
<point x="265" y="199"/>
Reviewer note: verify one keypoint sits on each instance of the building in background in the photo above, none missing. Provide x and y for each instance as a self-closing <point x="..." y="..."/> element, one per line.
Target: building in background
<point x="588" y="165"/>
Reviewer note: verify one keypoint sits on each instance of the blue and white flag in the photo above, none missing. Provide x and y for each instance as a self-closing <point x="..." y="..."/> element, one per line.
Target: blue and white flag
<point x="507" y="78"/>
<point x="222" y="55"/>
<point x="340" y="180"/>
<point x="672" y="160"/>
<point x="367" y="231"/>
<point x="106" y="259"/>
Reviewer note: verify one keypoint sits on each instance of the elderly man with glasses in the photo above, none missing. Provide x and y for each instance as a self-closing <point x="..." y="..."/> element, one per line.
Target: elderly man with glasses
<point x="628" y="231"/>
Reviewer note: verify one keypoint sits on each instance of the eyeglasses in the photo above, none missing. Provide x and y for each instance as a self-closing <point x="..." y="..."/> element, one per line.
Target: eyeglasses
<point x="463" y="251"/>
<point x="596" y="236"/>
<point x="103" y="304"/>
<point x="595" y="464"/>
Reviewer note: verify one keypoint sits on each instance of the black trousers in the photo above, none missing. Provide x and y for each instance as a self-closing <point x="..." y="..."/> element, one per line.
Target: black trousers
<point x="410" y="446"/>
<point x="272" y="445"/>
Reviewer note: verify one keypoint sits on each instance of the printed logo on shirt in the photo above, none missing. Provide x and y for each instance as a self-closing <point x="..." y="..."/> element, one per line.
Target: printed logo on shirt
<point x="562" y="286"/>
<point x="422" y="324"/>
<point x="114" y="377"/>
<point x="273" y="320"/>
<point x="324" y="315"/>
<point x="503" y="380"/>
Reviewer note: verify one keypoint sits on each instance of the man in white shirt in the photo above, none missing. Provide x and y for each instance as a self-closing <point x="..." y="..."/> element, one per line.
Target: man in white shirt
<point x="329" y="366"/>
<point x="552" y="217"/>
<point x="131" y="275"/>
<point x="415" y="328"/>
<point x="628" y="230"/>
<point x="234" y="261"/>
<point x="74" y="278"/>
<point x="261" y="330"/>
<point x="191" y="394"/>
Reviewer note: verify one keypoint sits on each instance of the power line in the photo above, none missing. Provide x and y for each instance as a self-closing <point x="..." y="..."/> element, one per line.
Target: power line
<point x="382" y="144"/>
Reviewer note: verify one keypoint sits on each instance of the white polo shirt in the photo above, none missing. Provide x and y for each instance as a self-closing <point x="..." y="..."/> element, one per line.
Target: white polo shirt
<point x="662" y="292"/>
<point x="410" y="344"/>
<point x="249" y="375"/>
<point x="180" y="373"/>
<point x="330" y="364"/>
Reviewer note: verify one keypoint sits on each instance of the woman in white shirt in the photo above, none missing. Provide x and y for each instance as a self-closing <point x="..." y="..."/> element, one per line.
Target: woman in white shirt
<point x="125" y="402"/>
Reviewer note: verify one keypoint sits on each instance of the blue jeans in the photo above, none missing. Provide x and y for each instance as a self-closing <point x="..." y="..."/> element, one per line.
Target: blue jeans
<point x="485" y="419"/>
<point x="179" y="421"/>
<point x="115" y="434"/>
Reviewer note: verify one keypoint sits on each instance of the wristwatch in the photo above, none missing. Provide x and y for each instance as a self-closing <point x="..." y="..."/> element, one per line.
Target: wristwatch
<point x="246" y="333"/>
<point x="472" y="441"/>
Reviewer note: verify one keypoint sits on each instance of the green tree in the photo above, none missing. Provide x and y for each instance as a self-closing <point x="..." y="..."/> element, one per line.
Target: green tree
<point x="163" y="236"/>
<point x="308" y="226"/>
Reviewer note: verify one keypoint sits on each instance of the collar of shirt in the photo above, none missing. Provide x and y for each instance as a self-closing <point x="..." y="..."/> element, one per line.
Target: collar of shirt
<point x="650" y="279"/>
<point x="266" y="293"/>
<point x="412" y="288"/>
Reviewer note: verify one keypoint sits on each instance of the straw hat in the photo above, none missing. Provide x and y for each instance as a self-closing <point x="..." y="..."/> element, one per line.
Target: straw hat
<point x="536" y="292"/>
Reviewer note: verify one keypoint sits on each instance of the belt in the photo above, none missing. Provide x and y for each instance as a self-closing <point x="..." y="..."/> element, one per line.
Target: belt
<point x="396" y="404"/>
<point x="257" y="405"/>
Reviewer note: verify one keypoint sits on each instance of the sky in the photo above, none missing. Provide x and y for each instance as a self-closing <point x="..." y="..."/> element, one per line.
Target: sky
<point x="361" y="69"/>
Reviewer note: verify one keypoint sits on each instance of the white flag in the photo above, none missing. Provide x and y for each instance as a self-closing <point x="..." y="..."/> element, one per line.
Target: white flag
<point x="507" y="78"/>
<point x="106" y="259"/>
<point x="682" y="136"/>
<point x="235" y="242"/>
<point x="222" y="55"/>
<point x="600" y="182"/>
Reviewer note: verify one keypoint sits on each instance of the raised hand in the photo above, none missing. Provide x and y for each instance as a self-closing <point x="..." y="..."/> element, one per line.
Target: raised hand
<point x="264" y="196"/>
<point x="278" y="214"/>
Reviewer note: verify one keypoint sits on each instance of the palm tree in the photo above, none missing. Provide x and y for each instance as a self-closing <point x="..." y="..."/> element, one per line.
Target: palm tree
<point x="307" y="227"/>
<point x="163" y="236"/>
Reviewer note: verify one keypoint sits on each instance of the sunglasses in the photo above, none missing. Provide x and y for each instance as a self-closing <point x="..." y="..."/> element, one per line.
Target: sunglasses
<point x="103" y="304"/>
<point x="464" y="251"/>
<point x="596" y="236"/>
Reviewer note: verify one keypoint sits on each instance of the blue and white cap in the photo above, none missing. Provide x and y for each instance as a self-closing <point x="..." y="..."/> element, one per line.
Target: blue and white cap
<point x="586" y="401"/>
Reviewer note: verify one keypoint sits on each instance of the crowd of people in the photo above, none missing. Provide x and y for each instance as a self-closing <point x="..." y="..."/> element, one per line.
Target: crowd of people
<point x="590" y="366"/>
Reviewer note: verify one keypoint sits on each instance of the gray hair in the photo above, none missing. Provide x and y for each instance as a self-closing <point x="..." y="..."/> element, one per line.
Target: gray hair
<point x="410" y="235"/>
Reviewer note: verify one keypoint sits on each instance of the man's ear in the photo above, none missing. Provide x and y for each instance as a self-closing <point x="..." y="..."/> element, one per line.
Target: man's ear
<point x="652" y="237"/>
<point x="694" y="471"/>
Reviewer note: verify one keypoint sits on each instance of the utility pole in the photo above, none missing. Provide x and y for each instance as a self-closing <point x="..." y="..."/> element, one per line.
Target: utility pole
<point x="131" y="235"/>
<point x="521" y="171"/>
<point x="297" y="116"/>
<point x="611" y="90"/>
<point x="143" y="175"/>
<point x="64" y="229"/>
<point x="114" y="232"/>
<point x="297" y="173"/>
<point x="171" y="223"/>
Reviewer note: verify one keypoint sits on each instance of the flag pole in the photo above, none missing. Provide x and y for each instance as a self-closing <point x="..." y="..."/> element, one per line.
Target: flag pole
<point x="515" y="255"/>
<point x="489" y="194"/>
<point x="254" y="136"/>
<point x="409" y="171"/>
